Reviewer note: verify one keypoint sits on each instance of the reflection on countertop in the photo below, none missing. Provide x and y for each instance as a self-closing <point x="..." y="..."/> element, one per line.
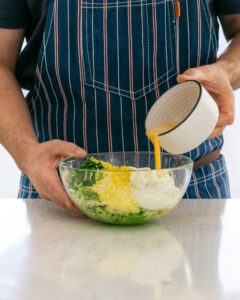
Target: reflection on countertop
<point x="192" y="253"/>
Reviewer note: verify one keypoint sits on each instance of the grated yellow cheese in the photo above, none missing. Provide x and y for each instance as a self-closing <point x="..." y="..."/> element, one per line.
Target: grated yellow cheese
<point x="115" y="189"/>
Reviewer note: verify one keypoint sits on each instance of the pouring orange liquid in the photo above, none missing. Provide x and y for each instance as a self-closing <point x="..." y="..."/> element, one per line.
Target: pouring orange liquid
<point x="153" y="135"/>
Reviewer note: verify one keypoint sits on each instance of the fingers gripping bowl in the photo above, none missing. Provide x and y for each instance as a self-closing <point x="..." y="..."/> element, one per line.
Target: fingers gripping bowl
<point x="123" y="188"/>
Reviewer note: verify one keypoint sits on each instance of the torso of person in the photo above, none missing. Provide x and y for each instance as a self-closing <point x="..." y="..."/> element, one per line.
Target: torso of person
<point x="35" y="18"/>
<point x="103" y="63"/>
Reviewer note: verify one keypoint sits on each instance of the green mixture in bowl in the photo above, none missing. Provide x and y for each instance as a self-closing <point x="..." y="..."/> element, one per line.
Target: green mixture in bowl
<point x="120" y="194"/>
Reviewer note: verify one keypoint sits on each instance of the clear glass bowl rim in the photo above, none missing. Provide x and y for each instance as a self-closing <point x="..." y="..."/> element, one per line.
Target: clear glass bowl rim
<point x="188" y="164"/>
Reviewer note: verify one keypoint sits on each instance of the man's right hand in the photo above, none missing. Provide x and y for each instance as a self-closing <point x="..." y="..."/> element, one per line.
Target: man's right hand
<point x="40" y="164"/>
<point x="37" y="161"/>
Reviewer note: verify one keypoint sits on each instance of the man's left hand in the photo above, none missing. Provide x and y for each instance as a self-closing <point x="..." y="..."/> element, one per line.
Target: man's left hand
<point x="217" y="83"/>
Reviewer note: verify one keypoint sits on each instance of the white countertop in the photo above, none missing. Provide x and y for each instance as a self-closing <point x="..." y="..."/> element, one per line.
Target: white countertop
<point x="192" y="253"/>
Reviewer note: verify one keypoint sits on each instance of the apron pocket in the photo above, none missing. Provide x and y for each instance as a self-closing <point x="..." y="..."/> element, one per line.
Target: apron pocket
<point x="128" y="47"/>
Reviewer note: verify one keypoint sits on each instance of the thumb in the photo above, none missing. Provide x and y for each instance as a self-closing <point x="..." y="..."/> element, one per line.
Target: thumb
<point x="67" y="149"/>
<point x="190" y="74"/>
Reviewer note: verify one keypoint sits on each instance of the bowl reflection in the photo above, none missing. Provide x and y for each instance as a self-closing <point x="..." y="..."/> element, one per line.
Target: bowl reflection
<point x="125" y="259"/>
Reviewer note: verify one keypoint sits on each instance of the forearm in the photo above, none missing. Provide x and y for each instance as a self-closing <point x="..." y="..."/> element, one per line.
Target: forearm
<point x="229" y="61"/>
<point x="16" y="130"/>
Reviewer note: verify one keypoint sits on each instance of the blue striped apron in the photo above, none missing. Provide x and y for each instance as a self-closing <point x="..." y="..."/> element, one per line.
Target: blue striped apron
<point x="102" y="65"/>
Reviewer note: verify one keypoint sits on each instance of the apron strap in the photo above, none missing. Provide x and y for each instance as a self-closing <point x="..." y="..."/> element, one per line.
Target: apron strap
<point x="207" y="159"/>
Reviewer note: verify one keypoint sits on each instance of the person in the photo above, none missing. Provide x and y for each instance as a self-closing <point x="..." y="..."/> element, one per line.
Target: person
<point x="93" y="70"/>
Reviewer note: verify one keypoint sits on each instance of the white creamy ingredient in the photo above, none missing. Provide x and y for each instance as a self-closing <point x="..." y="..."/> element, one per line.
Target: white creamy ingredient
<point x="154" y="190"/>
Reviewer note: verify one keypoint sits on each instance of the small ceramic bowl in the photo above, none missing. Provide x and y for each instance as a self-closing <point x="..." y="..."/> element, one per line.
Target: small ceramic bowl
<point x="193" y="112"/>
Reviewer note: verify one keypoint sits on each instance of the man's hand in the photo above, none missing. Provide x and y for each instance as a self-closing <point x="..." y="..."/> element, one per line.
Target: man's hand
<point x="40" y="164"/>
<point x="39" y="161"/>
<point x="217" y="83"/>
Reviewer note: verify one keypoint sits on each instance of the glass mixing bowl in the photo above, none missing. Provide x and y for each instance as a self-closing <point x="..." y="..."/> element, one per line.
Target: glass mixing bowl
<point x="126" y="190"/>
